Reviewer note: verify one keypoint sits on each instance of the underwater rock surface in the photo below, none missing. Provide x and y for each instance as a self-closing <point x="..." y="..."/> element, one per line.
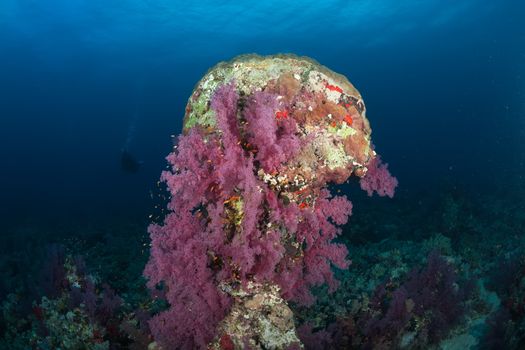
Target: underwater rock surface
<point x="323" y="107"/>
<point x="263" y="136"/>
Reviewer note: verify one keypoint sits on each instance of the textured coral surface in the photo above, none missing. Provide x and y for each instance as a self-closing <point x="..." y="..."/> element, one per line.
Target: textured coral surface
<point x="263" y="136"/>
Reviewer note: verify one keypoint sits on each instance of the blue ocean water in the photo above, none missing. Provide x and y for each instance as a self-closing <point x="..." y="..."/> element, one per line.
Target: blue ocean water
<point x="443" y="83"/>
<point x="80" y="80"/>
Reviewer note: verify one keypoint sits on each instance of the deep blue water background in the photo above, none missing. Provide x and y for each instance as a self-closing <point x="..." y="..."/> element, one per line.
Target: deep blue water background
<point x="444" y="84"/>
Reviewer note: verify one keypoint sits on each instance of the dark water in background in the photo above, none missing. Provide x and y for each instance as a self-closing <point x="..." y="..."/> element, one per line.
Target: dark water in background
<point x="444" y="84"/>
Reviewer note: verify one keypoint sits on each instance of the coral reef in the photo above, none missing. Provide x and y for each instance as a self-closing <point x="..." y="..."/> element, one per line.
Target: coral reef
<point x="72" y="309"/>
<point x="425" y="306"/>
<point x="263" y="136"/>
<point x="72" y="314"/>
<point x="259" y="319"/>
<point x="410" y="312"/>
<point x="482" y="248"/>
<point x="506" y="326"/>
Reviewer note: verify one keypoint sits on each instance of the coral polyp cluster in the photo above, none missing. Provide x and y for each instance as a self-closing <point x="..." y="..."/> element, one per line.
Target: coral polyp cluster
<point x="263" y="136"/>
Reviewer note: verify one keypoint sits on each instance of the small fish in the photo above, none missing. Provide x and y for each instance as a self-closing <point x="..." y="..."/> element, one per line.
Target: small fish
<point x="348" y="119"/>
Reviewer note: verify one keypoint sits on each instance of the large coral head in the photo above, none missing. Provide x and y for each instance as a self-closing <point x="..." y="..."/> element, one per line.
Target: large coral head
<point x="298" y="117"/>
<point x="263" y="136"/>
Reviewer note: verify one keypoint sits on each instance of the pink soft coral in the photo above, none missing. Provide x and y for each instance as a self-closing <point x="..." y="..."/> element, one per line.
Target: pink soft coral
<point x="275" y="140"/>
<point x="179" y="248"/>
<point x="378" y="179"/>
<point x="197" y="251"/>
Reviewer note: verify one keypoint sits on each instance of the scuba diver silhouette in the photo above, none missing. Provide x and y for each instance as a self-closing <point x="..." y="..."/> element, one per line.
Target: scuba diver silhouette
<point x="128" y="163"/>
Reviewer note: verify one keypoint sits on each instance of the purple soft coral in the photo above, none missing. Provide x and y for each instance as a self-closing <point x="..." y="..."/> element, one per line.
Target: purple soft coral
<point x="248" y="204"/>
<point x="378" y="179"/>
<point x="193" y="252"/>
<point x="274" y="139"/>
<point x="430" y="297"/>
